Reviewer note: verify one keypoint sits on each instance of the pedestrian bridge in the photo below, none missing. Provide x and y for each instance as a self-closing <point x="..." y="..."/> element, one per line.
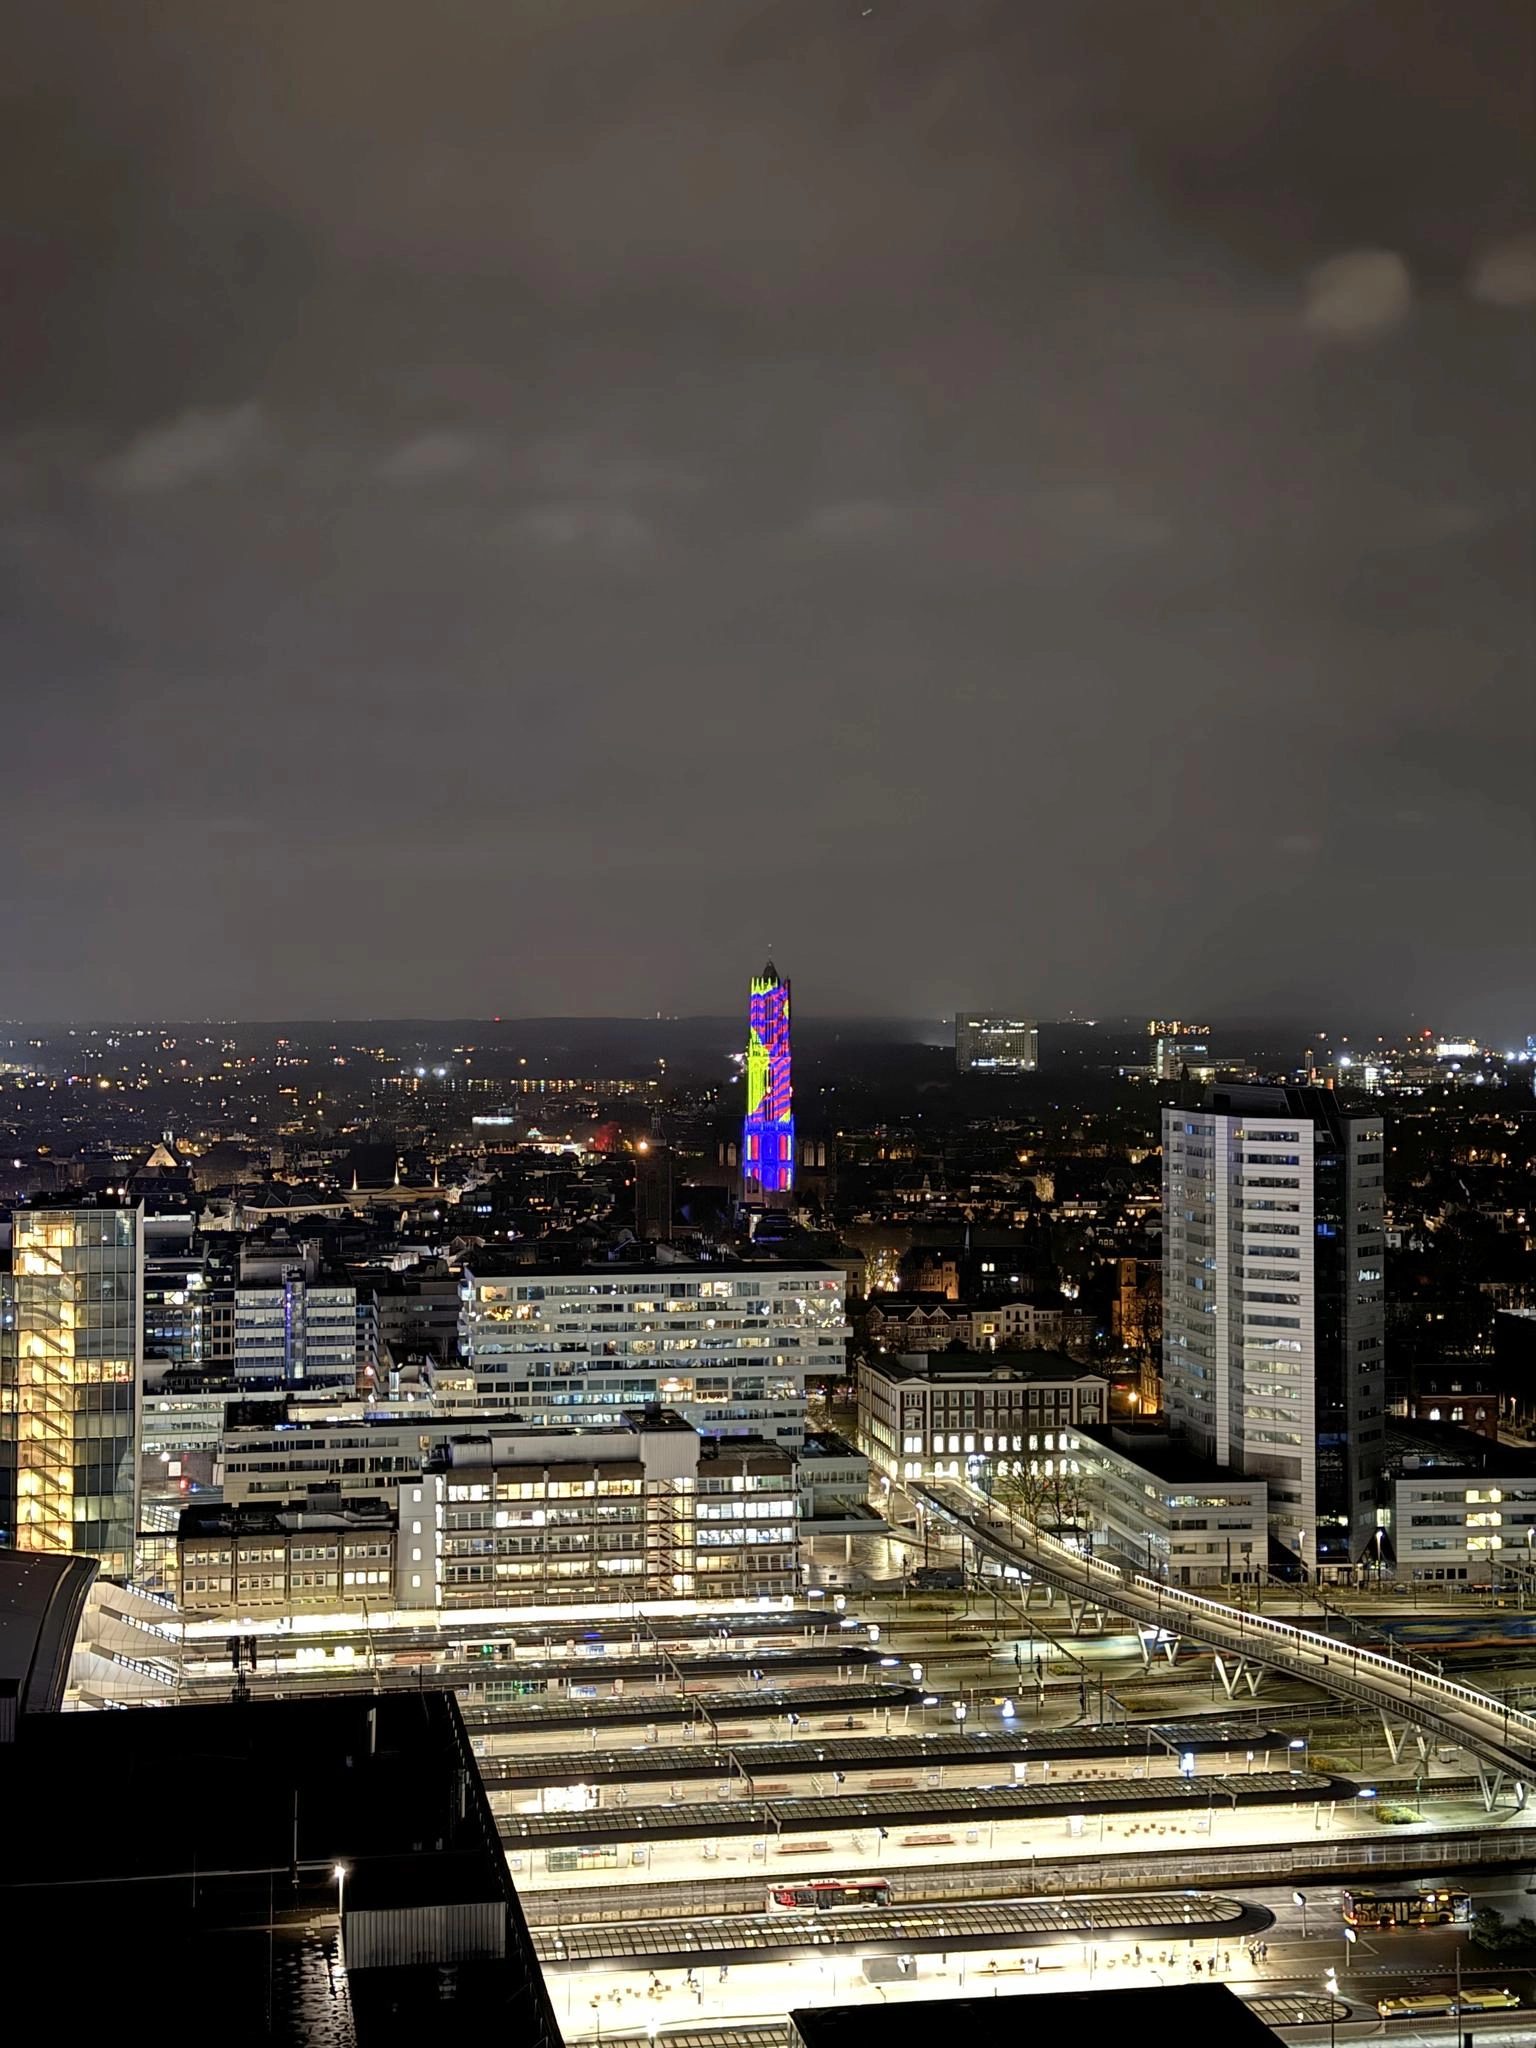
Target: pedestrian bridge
<point x="1500" y="1739"/>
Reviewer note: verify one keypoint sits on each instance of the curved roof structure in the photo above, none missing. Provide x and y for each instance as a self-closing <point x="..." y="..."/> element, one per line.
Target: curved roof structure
<point x="42" y="1598"/>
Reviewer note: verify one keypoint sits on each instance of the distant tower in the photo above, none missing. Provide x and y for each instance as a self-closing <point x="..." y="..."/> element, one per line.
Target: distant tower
<point x="768" y="1132"/>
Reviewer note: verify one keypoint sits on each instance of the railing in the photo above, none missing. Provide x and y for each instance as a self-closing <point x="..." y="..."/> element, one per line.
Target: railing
<point x="1404" y="1686"/>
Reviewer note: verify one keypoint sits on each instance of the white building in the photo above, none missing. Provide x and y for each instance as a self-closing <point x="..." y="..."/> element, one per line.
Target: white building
<point x="1463" y="1526"/>
<point x="1273" y="1360"/>
<point x="996" y="1045"/>
<point x="1168" y="1514"/>
<point x="953" y="1415"/>
<point x="729" y="1346"/>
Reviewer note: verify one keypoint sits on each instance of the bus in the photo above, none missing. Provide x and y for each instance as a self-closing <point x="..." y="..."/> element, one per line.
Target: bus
<point x="1425" y="2005"/>
<point x="1406" y="1909"/>
<point x="825" y="1895"/>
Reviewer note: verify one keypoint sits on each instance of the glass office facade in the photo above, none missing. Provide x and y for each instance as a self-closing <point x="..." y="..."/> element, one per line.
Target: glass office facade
<point x="78" y="1279"/>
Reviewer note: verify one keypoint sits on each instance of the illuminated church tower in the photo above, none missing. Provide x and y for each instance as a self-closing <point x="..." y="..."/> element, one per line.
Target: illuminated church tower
<point x="768" y="1134"/>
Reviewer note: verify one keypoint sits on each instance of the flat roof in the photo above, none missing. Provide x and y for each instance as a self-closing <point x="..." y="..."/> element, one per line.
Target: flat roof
<point x="1156" y="1452"/>
<point x="992" y="1366"/>
<point x="826" y="1443"/>
<point x="495" y="1262"/>
<point x="209" y="1838"/>
<point x="1155" y="2014"/>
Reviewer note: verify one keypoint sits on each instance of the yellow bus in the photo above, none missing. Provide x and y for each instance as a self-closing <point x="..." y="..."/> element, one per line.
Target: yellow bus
<point x="1406" y="1909"/>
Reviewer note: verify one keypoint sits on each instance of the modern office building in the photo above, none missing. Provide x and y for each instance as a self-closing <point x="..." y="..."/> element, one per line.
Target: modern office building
<point x="1179" y="1051"/>
<point x="297" y="1333"/>
<point x="1273" y="1361"/>
<point x="642" y="1508"/>
<point x="248" y="1562"/>
<point x="729" y="1345"/>
<point x="1466" y="1527"/>
<point x="647" y="1510"/>
<point x="9" y="1401"/>
<point x="955" y="1415"/>
<point x="1152" y="1503"/>
<point x="768" y="1131"/>
<point x="78" y="1276"/>
<point x="995" y="1045"/>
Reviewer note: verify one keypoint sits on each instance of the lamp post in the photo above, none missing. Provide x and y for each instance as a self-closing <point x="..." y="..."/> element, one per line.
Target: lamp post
<point x="340" y="1875"/>
<point x="1331" y="1987"/>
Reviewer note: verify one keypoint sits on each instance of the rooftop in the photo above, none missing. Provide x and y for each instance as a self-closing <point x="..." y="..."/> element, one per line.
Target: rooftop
<point x="488" y="1262"/>
<point x="1149" y="1445"/>
<point x="1157" y="2015"/>
<point x="210" y="1837"/>
<point x="999" y="1366"/>
<point x="251" y="1518"/>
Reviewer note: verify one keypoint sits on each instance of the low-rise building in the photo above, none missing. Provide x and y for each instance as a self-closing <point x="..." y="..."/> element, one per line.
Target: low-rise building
<point x="833" y="1480"/>
<point x="1463" y="1526"/>
<point x="642" y="1508"/>
<point x="1150" y="1502"/>
<point x="250" y="1562"/>
<point x="953" y="1414"/>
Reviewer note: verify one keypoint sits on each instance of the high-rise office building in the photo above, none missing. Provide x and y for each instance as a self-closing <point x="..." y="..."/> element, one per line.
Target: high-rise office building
<point x="995" y="1045"/>
<point x="768" y="1133"/>
<point x="78" y="1279"/>
<point x="1273" y="1304"/>
<point x="9" y="1396"/>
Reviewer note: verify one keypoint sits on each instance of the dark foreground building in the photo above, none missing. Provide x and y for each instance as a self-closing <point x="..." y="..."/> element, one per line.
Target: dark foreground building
<point x="316" y="1871"/>
<point x="1167" y="2016"/>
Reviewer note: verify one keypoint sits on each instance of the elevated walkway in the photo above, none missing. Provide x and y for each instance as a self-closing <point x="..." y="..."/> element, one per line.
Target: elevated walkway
<point x="1500" y="1738"/>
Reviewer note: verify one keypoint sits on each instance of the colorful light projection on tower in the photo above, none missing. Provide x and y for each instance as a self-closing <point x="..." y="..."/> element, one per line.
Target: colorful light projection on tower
<point x="768" y="1133"/>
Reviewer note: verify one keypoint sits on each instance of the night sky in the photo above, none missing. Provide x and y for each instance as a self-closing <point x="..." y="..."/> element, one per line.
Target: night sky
<point x="522" y="505"/>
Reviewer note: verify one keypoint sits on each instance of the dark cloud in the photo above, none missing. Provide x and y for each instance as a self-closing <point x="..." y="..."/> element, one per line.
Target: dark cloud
<point x="513" y="508"/>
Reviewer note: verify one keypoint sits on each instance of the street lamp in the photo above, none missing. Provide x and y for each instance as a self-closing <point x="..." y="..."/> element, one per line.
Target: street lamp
<point x="960" y="1712"/>
<point x="339" y="1872"/>
<point x="1331" y="1986"/>
<point x="1298" y="1742"/>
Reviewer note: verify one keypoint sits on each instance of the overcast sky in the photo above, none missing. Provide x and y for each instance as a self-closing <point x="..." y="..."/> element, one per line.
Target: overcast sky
<point x="522" y="505"/>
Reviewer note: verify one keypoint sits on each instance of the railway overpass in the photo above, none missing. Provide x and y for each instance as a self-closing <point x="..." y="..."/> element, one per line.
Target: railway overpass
<point x="1500" y="1739"/>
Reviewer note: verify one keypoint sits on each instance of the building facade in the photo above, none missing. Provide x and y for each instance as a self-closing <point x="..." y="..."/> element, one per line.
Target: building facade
<point x="1179" y="1051"/>
<point x="78" y="1277"/>
<point x="995" y="1045"/>
<point x="1152" y="1504"/>
<point x="1464" y="1528"/>
<point x="641" y="1509"/>
<point x="10" y="1395"/>
<point x="956" y="1415"/>
<point x="646" y="1510"/>
<point x="728" y="1346"/>
<point x="297" y="1333"/>
<point x="1273" y="1316"/>
<point x="239" y="1563"/>
<point x="768" y="1131"/>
